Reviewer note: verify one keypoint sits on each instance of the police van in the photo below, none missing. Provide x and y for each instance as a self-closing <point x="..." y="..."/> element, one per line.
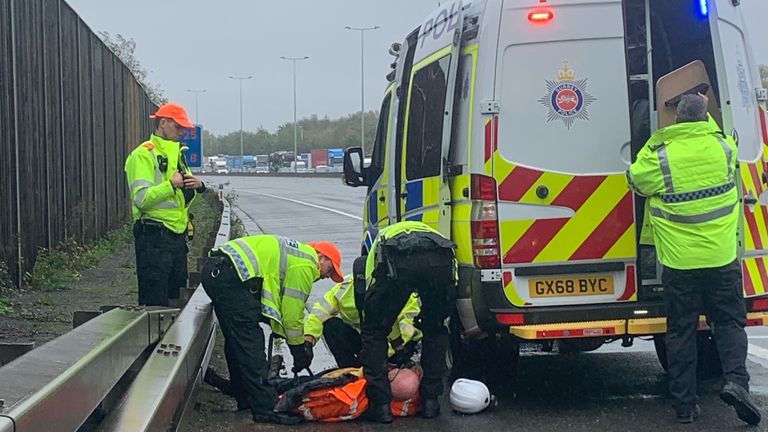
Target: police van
<point x="508" y="126"/>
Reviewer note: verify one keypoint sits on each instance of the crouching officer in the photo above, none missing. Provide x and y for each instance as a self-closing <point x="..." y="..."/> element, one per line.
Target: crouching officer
<point x="264" y="278"/>
<point x="407" y="258"/>
<point x="336" y="317"/>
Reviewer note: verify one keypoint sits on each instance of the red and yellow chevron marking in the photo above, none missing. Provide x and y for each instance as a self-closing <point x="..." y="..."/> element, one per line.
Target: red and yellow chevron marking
<point x="602" y="227"/>
<point x="755" y="218"/>
<point x="491" y="142"/>
<point x="755" y="271"/>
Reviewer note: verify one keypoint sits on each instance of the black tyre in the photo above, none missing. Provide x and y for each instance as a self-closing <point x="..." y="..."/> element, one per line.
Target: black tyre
<point x="492" y="359"/>
<point x="708" y="358"/>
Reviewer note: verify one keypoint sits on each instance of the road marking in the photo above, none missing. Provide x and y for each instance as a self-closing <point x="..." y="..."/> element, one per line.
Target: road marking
<point x="759" y="354"/>
<point x="306" y="204"/>
<point x="758" y="337"/>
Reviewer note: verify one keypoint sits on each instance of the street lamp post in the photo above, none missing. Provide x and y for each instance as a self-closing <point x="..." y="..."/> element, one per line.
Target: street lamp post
<point x="197" y="93"/>
<point x="362" y="31"/>
<point x="240" y="79"/>
<point x="295" y="126"/>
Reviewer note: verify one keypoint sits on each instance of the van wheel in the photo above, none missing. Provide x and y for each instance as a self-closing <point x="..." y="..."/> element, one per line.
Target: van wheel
<point x="492" y="359"/>
<point x="708" y="359"/>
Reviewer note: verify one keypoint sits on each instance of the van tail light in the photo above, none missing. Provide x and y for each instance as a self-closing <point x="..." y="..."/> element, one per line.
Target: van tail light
<point x="510" y="318"/>
<point x="485" y="223"/>
<point x="760" y="305"/>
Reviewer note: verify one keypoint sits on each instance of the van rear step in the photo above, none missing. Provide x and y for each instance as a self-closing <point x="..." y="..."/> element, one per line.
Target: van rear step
<point x="612" y="328"/>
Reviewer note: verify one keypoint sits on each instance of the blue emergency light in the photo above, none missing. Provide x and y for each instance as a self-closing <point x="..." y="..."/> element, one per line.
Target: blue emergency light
<point x="703" y="8"/>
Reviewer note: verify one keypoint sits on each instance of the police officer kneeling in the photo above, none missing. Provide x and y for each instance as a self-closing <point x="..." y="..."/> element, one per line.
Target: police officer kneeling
<point x="407" y="257"/>
<point x="687" y="171"/>
<point x="264" y="278"/>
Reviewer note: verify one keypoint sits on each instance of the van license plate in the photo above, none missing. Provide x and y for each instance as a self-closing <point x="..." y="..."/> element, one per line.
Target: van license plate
<point x="571" y="286"/>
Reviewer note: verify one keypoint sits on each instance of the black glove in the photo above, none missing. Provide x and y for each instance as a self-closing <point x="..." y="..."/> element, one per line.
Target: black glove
<point x="302" y="356"/>
<point x="403" y="355"/>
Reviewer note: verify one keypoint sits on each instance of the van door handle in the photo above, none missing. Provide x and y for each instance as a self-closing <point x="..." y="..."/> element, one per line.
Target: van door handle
<point x="381" y="198"/>
<point x="403" y="195"/>
<point x="750" y="200"/>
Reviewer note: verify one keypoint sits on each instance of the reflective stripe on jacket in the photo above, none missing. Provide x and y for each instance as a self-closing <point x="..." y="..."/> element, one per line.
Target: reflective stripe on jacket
<point x="688" y="173"/>
<point x="152" y="194"/>
<point x="392" y="231"/>
<point x="340" y="301"/>
<point x="288" y="269"/>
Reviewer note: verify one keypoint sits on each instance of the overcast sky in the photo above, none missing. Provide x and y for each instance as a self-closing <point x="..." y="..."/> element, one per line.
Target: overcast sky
<point x="197" y="44"/>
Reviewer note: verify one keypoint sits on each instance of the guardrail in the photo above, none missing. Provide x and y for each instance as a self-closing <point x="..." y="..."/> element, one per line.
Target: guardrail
<point x="129" y="369"/>
<point x="161" y="393"/>
<point x="64" y="381"/>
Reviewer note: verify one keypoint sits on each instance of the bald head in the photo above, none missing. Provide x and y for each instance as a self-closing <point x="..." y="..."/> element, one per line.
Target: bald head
<point x="692" y="108"/>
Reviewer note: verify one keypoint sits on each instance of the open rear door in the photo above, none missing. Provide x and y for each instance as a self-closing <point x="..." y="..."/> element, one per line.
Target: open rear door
<point x="424" y="192"/>
<point x="743" y="117"/>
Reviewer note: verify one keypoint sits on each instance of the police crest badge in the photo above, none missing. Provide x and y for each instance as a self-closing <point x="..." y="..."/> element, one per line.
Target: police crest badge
<point x="567" y="98"/>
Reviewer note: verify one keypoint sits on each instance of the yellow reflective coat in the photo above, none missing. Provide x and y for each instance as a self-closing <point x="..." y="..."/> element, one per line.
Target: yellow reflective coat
<point x="688" y="173"/>
<point x="288" y="269"/>
<point x="152" y="194"/>
<point x="340" y="301"/>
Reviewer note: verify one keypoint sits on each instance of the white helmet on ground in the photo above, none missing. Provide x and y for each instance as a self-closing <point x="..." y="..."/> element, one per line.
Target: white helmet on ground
<point x="469" y="396"/>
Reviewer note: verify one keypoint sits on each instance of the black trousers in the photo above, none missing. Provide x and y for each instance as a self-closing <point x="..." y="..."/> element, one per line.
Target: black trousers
<point x="343" y="341"/>
<point x="238" y="309"/>
<point x="161" y="263"/>
<point x="718" y="293"/>
<point x="430" y="273"/>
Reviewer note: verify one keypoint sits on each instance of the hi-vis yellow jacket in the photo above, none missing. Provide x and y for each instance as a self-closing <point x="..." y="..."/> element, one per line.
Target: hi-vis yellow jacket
<point x="152" y="193"/>
<point x="340" y="301"/>
<point x="288" y="269"/>
<point x="688" y="173"/>
<point x="392" y="231"/>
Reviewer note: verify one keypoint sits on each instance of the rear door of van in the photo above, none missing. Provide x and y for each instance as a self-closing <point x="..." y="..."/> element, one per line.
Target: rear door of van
<point x="566" y="214"/>
<point x="742" y="116"/>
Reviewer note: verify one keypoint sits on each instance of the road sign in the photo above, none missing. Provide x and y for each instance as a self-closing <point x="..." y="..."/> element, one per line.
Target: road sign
<point x="192" y="143"/>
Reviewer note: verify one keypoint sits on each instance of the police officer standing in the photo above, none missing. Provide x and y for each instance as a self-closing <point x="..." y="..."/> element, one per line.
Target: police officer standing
<point x="406" y="258"/>
<point x="162" y="189"/>
<point x="687" y="171"/>
<point x="264" y="278"/>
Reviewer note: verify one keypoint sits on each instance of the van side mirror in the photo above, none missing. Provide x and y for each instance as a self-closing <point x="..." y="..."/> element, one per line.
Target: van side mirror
<point x="354" y="169"/>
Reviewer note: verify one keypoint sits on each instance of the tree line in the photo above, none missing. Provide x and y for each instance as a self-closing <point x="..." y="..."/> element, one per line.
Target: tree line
<point x="314" y="132"/>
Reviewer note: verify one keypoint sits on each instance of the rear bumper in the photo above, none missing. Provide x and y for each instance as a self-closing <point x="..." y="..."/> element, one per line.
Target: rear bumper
<point x="612" y="328"/>
<point x="636" y="318"/>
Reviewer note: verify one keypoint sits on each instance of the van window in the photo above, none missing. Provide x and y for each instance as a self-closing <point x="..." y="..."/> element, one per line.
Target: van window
<point x="425" y="120"/>
<point x="380" y="143"/>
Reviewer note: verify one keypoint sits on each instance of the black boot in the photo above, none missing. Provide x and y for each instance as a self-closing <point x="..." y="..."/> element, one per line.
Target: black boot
<point x="738" y="397"/>
<point x="378" y="414"/>
<point x="689" y="415"/>
<point x="284" y="419"/>
<point x="214" y="379"/>
<point x="430" y="409"/>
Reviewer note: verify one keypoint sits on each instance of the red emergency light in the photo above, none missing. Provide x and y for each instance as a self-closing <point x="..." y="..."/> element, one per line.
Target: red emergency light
<point x="540" y="16"/>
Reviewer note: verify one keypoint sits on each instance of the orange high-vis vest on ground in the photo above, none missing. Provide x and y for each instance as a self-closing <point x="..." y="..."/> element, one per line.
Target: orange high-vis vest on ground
<point x="334" y="404"/>
<point x="347" y="402"/>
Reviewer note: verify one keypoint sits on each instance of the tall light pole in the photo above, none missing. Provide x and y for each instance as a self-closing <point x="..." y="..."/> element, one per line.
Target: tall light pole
<point x="362" y="31"/>
<point x="197" y="93"/>
<point x="295" y="126"/>
<point x="240" y="79"/>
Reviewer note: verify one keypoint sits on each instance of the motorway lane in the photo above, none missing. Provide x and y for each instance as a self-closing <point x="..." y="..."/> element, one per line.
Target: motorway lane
<point x="613" y="388"/>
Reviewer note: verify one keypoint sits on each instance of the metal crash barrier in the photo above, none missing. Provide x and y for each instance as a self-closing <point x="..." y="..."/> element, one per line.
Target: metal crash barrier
<point x="164" y="388"/>
<point x="58" y="385"/>
<point x="129" y="369"/>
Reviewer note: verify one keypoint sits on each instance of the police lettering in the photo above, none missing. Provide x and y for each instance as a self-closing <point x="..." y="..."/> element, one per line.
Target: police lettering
<point x="444" y="22"/>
